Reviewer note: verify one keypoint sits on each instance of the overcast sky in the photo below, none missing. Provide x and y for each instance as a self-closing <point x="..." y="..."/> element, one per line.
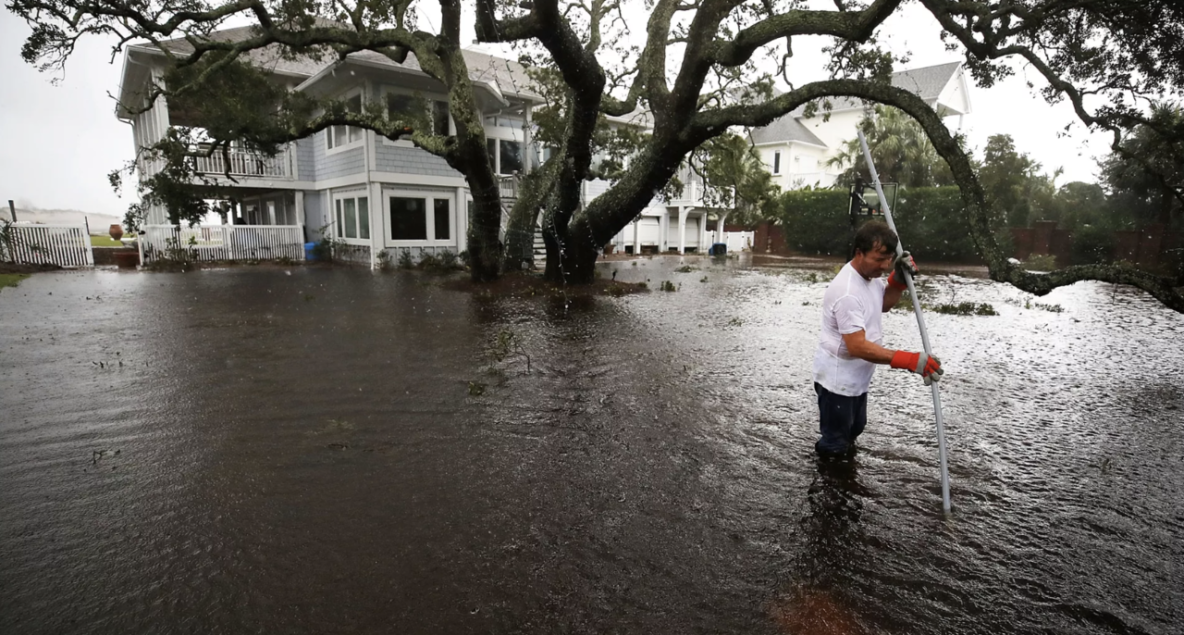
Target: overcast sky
<point x="61" y="141"/>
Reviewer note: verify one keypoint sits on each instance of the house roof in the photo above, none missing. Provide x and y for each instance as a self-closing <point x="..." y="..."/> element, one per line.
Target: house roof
<point x="508" y="76"/>
<point x="927" y="82"/>
<point x="785" y="128"/>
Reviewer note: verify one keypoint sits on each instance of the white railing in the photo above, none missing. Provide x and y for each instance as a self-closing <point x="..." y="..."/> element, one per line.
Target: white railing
<point x="222" y="242"/>
<point x="61" y="245"/>
<point x="508" y="186"/>
<point x="244" y="163"/>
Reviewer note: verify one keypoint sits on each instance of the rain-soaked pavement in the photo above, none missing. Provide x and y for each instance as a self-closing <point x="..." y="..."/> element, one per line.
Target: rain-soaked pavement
<point x="248" y="450"/>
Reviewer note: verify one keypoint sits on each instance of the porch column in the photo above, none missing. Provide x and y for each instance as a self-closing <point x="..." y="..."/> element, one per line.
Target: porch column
<point x="377" y="230"/>
<point x="300" y="209"/>
<point x="664" y="231"/>
<point x="703" y="231"/>
<point x="636" y="236"/>
<point x="682" y="229"/>
<point x="527" y="148"/>
<point x="462" y="221"/>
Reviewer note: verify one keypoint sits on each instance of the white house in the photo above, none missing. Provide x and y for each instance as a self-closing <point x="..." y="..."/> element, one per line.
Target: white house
<point x="796" y="148"/>
<point x="363" y="189"/>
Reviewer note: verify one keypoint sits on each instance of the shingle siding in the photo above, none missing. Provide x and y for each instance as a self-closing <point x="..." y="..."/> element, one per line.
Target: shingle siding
<point x="314" y="214"/>
<point x="305" y="159"/>
<point x="403" y="160"/>
<point x="331" y="166"/>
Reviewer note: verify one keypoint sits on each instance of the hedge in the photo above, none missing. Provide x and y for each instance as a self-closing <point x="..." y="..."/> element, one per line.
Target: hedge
<point x="931" y="221"/>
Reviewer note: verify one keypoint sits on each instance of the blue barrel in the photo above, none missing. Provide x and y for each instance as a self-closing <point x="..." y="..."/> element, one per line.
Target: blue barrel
<point x="310" y="251"/>
<point x="719" y="249"/>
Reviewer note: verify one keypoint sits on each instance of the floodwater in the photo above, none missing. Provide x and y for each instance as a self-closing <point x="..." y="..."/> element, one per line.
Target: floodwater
<point x="330" y="450"/>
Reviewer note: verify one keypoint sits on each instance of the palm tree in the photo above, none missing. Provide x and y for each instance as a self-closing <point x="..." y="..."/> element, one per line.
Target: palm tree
<point x="900" y="149"/>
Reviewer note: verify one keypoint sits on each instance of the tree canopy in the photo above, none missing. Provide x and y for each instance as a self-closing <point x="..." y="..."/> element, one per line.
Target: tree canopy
<point x="1107" y="58"/>
<point x="900" y="149"/>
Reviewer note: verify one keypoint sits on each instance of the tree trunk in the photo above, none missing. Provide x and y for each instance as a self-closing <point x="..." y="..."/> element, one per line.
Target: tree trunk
<point x="485" y="249"/>
<point x="570" y="259"/>
<point x="519" y="254"/>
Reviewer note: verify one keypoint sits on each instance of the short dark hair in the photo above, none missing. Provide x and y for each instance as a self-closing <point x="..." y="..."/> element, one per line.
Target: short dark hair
<point x="872" y="233"/>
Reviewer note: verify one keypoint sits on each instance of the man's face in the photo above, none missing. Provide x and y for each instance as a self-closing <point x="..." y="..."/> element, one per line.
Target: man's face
<point x="874" y="263"/>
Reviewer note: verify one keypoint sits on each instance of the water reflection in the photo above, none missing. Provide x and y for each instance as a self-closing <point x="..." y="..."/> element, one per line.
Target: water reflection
<point x="817" y="601"/>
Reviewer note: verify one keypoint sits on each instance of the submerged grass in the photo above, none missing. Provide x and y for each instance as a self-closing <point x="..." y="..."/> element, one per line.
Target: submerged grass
<point x="11" y="279"/>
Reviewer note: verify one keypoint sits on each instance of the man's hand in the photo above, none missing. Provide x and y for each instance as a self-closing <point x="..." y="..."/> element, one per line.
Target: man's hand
<point x="904" y="262"/>
<point x="927" y="366"/>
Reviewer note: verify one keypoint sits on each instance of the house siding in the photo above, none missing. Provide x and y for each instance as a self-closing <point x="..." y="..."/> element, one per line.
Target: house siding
<point x="331" y="166"/>
<point x="402" y="160"/>
<point x="314" y="214"/>
<point x="306" y="160"/>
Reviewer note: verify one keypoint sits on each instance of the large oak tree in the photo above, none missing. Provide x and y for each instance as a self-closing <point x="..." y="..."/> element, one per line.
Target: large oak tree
<point x="1107" y="58"/>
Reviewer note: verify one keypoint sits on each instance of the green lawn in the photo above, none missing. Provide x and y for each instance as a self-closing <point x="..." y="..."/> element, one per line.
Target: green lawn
<point x="104" y="241"/>
<point x="11" y="279"/>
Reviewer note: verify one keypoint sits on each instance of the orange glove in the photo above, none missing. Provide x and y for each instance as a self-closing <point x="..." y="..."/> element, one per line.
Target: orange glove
<point x="927" y="366"/>
<point x="904" y="262"/>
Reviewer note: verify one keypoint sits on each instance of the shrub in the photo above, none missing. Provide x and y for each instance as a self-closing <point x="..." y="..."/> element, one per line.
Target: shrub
<point x="405" y="261"/>
<point x="1040" y="262"/>
<point x="931" y="220"/>
<point x="1093" y="245"/>
<point x="384" y="260"/>
<point x="429" y="261"/>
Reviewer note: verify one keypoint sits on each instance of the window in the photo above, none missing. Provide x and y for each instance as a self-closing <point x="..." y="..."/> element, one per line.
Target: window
<point x="776" y="163"/>
<point x="401" y="105"/>
<point x="440" y="118"/>
<point x="352" y="218"/>
<point x="443" y="213"/>
<point x="511" y="157"/>
<point x="417" y="217"/>
<point x="408" y="218"/>
<point x="504" y="155"/>
<point x="339" y="136"/>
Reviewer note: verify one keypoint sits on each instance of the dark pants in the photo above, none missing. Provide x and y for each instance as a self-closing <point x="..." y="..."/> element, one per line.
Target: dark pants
<point x="841" y="419"/>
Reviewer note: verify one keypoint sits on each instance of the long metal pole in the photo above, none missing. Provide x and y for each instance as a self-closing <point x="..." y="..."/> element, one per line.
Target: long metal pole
<point x="908" y="279"/>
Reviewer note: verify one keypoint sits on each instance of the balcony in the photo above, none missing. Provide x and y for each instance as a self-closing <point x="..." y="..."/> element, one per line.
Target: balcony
<point x="242" y="163"/>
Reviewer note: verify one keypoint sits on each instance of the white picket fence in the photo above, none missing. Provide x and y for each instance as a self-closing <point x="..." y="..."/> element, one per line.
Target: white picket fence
<point x="221" y="242"/>
<point x="62" y="245"/>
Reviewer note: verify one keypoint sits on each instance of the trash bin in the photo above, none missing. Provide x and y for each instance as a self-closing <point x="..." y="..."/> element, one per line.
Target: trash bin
<point x="719" y="249"/>
<point x="310" y="251"/>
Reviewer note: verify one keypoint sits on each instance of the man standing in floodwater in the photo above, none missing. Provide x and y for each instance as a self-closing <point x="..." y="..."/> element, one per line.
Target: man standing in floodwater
<point x="849" y="347"/>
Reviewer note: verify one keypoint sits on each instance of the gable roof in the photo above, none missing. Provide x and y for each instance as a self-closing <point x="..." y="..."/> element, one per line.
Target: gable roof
<point x="785" y="128"/>
<point x="507" y="75"/>
<point x="927" y="82"/>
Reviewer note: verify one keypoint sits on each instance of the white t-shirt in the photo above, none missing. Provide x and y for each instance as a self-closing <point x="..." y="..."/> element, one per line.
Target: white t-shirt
<point x="851" y="303"/>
